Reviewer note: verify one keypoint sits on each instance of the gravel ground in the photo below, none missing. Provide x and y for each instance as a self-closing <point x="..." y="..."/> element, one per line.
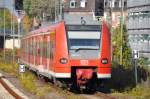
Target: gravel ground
<point x="55" y="93"/>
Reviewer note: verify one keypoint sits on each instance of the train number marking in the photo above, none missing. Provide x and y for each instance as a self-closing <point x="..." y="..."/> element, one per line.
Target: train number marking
<point x="84" y="62"/>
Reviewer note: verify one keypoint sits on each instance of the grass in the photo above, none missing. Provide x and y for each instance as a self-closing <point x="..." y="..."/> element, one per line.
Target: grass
<point x="141" y="91"/>
<point x="27" y="79"/>
<point x="9" y="68"/>
<point x="42" y="91"/>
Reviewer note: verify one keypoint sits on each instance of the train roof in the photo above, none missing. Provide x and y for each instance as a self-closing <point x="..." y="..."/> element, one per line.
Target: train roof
<point x="46" y="29"/>
<point x="69" y="27"/>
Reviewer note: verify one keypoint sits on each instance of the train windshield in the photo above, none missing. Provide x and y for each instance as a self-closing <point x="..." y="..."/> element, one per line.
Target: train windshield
<point x="84" y="37"/>
<point x="84" y="40"/>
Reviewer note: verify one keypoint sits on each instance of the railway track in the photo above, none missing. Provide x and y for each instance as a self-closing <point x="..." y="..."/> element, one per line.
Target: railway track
<point x="11" y="93"/>
<point x="104" y="95"/>
<point x="8" y="91"/>
<point x="82" y="94"/>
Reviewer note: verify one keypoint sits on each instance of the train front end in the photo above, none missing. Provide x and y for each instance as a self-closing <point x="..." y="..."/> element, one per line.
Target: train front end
<point x="87" y="59"/>
<point x="89" y="52"/>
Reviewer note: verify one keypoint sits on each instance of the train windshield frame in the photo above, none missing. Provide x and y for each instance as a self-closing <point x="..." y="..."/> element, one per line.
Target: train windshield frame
<point x="84" y="37"/>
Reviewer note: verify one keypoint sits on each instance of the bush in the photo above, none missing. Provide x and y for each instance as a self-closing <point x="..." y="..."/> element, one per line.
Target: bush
<point x="124" y="78"/>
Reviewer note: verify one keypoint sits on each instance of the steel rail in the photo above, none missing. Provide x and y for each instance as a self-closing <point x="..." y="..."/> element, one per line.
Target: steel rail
<point x="9" y="89"/>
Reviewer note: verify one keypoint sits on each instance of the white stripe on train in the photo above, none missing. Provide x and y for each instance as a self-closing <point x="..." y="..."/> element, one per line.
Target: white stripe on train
<point x="60" y="75"/>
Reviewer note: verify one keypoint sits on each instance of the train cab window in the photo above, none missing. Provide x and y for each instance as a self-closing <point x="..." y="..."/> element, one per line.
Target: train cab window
<point x="88" y="43"/>
<point x="84" y="40"/>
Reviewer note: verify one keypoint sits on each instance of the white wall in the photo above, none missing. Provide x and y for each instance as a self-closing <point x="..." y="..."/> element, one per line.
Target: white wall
<point x="9" y="43"/>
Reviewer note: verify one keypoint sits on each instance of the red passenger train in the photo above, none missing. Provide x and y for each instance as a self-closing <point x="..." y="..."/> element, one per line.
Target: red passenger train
<point x="78" y="55"/>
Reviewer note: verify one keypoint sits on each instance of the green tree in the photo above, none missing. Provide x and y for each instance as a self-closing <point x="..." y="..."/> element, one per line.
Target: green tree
<point x="7" y="18"/>
<point x="117" y="43"/>
<point x="40" y="9"/>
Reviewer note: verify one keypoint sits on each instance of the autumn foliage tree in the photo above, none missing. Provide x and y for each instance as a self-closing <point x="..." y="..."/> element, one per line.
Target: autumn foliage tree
<point x="40" y="8"/>
<point x="26" y="24"/>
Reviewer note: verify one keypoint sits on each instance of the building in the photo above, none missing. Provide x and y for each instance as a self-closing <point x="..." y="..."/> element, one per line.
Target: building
<point x="7" y="5"/>
<point x="114" y="7"/>
<point x="83" y="11"/>
<point x="139" y="24"/>
<point x="75" y="9"/>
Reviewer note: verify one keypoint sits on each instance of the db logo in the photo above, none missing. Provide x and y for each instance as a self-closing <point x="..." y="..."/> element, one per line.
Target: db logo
<point x="84" y="62"/>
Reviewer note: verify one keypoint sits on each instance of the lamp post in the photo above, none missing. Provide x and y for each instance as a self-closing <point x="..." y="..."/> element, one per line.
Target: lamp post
<point x="13" y="33"/>
<point x="111" y="30"/>
<point x="19" y="21"/>
<point x="4" y="32"/>
<point x="121" y="30"/>
<point x="21" y="14"/>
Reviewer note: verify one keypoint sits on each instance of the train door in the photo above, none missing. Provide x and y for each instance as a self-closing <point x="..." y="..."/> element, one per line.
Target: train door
<point x="52" y="50"/>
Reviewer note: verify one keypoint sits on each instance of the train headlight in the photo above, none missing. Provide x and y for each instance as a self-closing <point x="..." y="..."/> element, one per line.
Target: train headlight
<point x="104" y="61"/>
<point x="63" y="60"/>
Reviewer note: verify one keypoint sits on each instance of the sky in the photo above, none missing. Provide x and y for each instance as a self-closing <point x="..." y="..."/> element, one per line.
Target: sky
<point x="9" y="4"/>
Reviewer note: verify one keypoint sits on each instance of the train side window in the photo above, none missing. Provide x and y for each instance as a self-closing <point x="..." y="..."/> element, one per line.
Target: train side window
<point x="40" y="49"/>
<point x="27" y="47"/>
<point x="48" y="49"/>
<point x="45" y="49"/>
<point x="31" y="46"/>
<point x="34" y="47"/>
<point x="51" y="50"/>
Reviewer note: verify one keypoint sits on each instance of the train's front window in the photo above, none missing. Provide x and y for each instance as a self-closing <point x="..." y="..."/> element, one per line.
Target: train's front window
<point x="84" y="43"/>
<point x="84" y="40"/>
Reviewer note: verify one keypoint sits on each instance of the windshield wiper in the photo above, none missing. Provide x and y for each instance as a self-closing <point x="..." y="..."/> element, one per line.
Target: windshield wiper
<point x="76" y="50"/>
